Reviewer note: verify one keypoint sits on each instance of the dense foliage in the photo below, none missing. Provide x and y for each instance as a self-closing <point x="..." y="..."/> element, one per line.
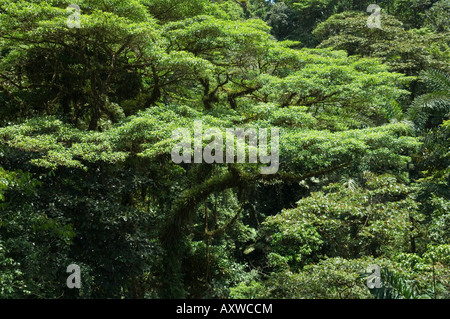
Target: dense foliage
<point x="87" y="122"/>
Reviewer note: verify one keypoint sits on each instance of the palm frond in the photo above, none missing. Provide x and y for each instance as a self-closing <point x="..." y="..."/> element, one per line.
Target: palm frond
<point x="394" y="287"/>
<point x="436" y="80"/>
<point x="435" y="104"/>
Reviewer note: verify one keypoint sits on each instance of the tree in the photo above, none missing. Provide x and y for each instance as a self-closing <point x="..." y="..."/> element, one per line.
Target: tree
<point x="438" y="15"/>
<point x="404" y="51"/>
<point x="375" y="219"/>
<point x="411" y="13"/>
<point x="97" y="109"/>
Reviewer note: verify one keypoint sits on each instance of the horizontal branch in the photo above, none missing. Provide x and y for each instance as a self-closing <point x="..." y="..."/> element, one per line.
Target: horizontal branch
<point x="189" y="200"/>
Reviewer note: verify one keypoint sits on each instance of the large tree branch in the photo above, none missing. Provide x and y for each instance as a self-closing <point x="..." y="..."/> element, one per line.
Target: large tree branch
<point x="189" y="200"/>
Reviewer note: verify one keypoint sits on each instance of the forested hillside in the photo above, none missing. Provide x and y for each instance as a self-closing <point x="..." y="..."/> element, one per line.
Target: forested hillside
<point x="108" y="111"/>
